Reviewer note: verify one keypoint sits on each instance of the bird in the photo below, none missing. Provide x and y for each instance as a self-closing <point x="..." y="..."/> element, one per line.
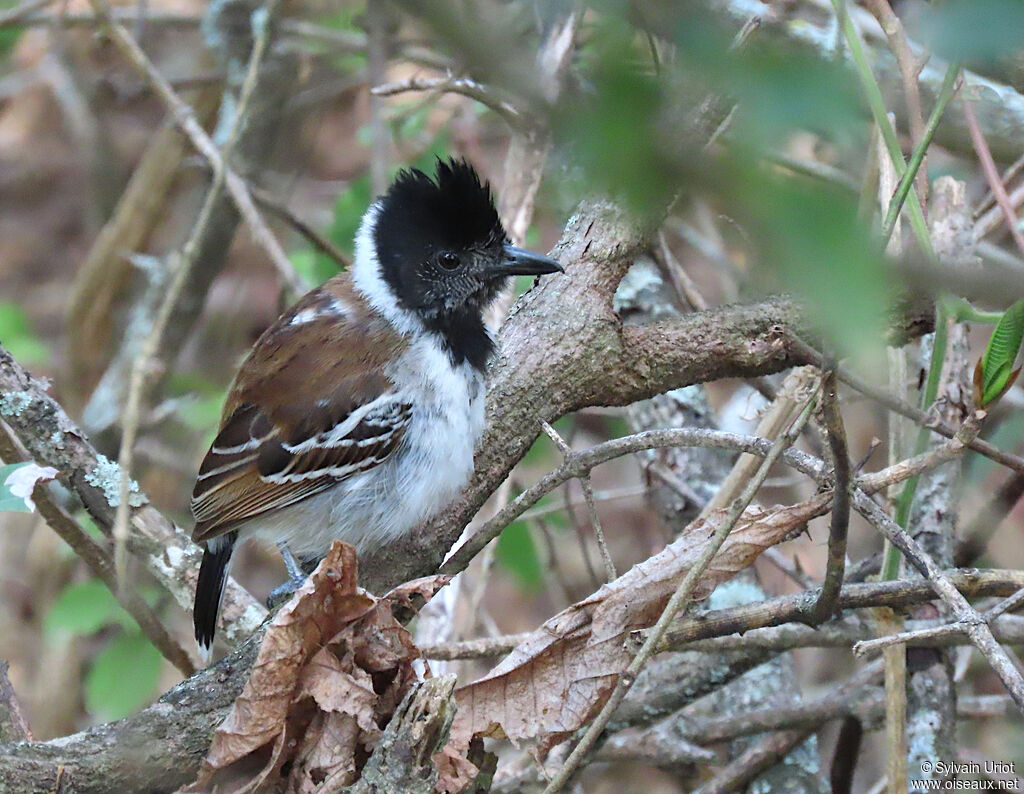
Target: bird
<point x="356" y="413"/>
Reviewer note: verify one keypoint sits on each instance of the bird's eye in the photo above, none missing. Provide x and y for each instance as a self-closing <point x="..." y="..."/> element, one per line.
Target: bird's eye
<point x="449" y="261"/>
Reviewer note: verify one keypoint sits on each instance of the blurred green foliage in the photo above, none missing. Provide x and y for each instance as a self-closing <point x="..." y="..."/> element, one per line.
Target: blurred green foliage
<point x="9" y="35"/>
<point x="84" y="608"/>
<point x="517" y="553"/>
<point x="17" y="336"/>
<point x="812" y="244"/>
<point x="123" y="675"/>
<point x="205" y="401"/>
<point x="343" y="17"/>
<point x="981" y="31"/>
<point x="630" y="138"/>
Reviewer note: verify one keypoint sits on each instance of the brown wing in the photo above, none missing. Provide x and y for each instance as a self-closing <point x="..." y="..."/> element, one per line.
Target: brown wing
<point x="302" y="417"/>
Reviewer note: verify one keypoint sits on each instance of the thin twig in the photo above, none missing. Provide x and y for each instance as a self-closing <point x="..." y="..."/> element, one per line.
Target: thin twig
<point x="989" y="199"/>
<point x="896" y="594"/>
<point x="684" y="285"/>
<point x="988" y="165"/>
<point x="850" y="631"/>
<point x="588" y="496"/>
<point x="184" y="264"/>
<point x="483" y="574"/>
<point x="677" y="484"/>
<point x="978" y="631"/>
<point x="772" y="748"/>
<point x="554" y="575"/>
<point x="184" y="117"/>
<point x="876" y="102"/>
<point x="375" y="20"/>
<point x="910" y="69"/>
<point x="906" y="637"/>
<point x="51" y="438"/>
<point x="569" y="506"/>
<point x="842" y="699"/>
<point x="455" y="85"/>
<point x="482" y="648"/>
<point x="915" y="166"/>
<point x="16" y="15"/>
<point x="13" y="725"/>
<point x="976" y="535"/>
<point x="836" y="566"/>
<point x="584" y="460"/>
<point x="646" y="745"/>
<point x="912" y="412"/>
<point x="678" y="600"/>
<point x="100" y="563"/>
<point x="930" y="392"/>
<point x="321" y="243"/>
<point x="811" y="168"/>
<point x="895" y="662"/>
<point x="99" y="560"/>
<point x="612" y="494"/>
<point x="595" y="519"/>
<point x="773" y="422"/>
<point x="790" y="568"/>
<point x="846" y="633"/>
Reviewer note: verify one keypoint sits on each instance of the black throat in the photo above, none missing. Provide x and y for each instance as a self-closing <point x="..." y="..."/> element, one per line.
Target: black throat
<point x="463" y="336"/>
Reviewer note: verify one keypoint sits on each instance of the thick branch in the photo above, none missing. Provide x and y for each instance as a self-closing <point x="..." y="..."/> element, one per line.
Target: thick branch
<point x="564" y="348"/>
<point x="159" y="748"/>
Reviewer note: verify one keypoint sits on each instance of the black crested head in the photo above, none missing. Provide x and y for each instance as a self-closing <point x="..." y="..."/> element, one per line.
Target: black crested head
<point x="420" y="216"/>
<point x="445" y="255"/>
<point x="434" y="239"/>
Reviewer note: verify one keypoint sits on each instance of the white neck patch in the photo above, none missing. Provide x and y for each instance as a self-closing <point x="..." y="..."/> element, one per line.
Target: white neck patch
<point x="367" y="278"/>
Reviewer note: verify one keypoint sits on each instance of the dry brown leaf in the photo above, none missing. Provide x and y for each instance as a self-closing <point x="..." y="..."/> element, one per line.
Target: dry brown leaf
<point x="327" y="759"/>
<point x="334" y="664"/>
<point x="455" y="773"/>
<point x="557" y="679"/>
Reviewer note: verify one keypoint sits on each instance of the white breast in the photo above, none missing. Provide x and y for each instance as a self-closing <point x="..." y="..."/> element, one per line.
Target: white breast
<point x="428" y="470"/>
<point x="435" y="458"/>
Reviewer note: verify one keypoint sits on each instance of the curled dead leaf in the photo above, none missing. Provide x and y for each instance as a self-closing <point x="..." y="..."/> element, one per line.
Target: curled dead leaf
<point x="333" y="666"/>
<point x="555" y="681"/>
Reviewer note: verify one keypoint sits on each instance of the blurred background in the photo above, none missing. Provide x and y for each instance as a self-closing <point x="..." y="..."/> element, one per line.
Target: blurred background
<point x="97" y="190"/>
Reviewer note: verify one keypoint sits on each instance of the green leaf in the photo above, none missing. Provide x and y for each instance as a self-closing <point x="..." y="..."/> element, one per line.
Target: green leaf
<point x="517" y="553"/>
<point x="997" y="364"/>
<point x="84" y="608"/>
<point x="975" y="30"/>
<point x="9" y="503"/>
<point x="17" y="335"/>
<point x="123" y="677"/>
<point x="811" y="239"/>
<point x="780" y="92"/>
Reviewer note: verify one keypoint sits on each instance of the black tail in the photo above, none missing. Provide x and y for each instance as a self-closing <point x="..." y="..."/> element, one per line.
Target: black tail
<point x="210" y="587"/>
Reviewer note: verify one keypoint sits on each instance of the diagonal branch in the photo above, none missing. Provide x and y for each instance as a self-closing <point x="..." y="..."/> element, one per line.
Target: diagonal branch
<point x="678" y="600"/>
<point x="53" y="439"/>
<point x="183" y="267"/>
<point x="185" y="118"/>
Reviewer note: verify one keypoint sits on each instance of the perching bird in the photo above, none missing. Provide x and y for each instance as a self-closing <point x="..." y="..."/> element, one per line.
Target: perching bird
<point x="355" y="415"/>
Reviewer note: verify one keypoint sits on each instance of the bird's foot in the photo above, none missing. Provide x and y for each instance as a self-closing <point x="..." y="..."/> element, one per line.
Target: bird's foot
<point x="296" y="578"/>
<point x="284" y="591"/>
